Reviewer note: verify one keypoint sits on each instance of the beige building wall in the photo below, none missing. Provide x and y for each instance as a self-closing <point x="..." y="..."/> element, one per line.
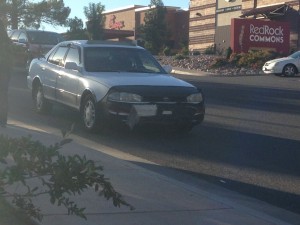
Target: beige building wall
<point x="202" y="24"/>
<point x="225" y="11"/>
<point x="210" y="21"/>
<point x="248" y="4"/>
<point x="127" y="16"/>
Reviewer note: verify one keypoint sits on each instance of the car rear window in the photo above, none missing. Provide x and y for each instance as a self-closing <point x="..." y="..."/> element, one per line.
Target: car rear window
<point x="44" y="38"/>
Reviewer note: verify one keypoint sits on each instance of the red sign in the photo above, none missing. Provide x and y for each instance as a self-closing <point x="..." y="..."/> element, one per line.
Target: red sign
<point x="113" y="24"/>
<point x="247" y="34"/>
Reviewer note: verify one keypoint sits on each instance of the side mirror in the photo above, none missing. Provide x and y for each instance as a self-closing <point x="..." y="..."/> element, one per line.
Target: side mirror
<point x="71" y="66"/>
<point x="167" y="68"/>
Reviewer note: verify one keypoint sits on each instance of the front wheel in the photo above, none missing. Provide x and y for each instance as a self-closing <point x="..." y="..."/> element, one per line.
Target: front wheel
<point x="289" y="70"/>
<point x="90" y="115"/>
<point x="41" y="104"/>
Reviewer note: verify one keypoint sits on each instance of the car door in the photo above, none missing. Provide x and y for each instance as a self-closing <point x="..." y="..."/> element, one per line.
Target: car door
<point x="67" y="80"/>
<point x="298" y="60"/>
<point x="19" y="50"/>
<point x="51" y="70"/>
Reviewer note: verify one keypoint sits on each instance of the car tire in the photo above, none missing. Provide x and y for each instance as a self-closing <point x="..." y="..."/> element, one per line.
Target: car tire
<point x="90" y="115"/>
<point x="289" y="70"/>
<point x="41" y="104"/>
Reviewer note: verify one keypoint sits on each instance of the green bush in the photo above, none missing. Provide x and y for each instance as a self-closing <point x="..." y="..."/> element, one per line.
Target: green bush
<point x="196" y="53"/>
<point x="210" y="50"/>
<point x="179" y="57"/>
<point x="167" y="51"/>
<point x="219" y="62"/>
<point x="234" y="58"/>
<point x="185" y="51"/>
<point x="228" y="53"/>
<point x="255" y="59"/>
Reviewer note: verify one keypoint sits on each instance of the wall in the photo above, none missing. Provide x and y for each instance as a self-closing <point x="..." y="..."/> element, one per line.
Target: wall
<point x="224" y="13"/>
<point x="126" y="15"/>
<point x="202" y="24"/>
<point x="210" y="21"/>
<point x="130" y="18"/>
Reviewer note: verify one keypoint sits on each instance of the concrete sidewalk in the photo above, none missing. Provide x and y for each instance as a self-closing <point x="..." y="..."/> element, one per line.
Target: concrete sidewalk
<point x="161" y="196"/>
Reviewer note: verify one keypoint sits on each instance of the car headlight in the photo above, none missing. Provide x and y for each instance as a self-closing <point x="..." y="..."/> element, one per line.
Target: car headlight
<point x="124" y="97"/>
<point x="195" y="98"/>
<point x="271" y="64"/>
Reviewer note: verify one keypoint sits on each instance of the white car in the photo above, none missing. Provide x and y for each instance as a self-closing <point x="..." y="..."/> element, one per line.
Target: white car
<point x="112" y="81"/>
<point x="287" y="66"/>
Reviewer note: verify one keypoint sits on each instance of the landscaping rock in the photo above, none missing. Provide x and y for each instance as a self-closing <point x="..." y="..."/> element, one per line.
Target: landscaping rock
<point x="203" y="63"/>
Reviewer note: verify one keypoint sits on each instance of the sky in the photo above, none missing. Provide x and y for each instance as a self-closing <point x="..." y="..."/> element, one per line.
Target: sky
<point x="78" y="5"/>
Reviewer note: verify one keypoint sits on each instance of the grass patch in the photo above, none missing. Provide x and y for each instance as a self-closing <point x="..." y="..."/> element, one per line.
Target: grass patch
<point x="10" y="215"/>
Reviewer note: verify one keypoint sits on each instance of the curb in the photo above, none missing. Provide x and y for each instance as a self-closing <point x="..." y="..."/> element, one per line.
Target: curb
<point x="182" y="71"/>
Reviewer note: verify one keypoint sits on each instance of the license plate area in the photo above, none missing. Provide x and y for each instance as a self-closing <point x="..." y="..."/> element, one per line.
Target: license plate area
<point x="145" y="110"/>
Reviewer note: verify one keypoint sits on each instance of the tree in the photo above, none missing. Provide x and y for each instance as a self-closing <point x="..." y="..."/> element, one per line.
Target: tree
<point x="76" y="31"/>
<point x="96" y="20"/>
<point x="32" y="14"/>
<point x="23" y="160"/>
<point x="154" y="31"/>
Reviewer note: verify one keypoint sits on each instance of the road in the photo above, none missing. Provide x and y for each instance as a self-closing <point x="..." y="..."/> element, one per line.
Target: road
<point x="249" y="141"/>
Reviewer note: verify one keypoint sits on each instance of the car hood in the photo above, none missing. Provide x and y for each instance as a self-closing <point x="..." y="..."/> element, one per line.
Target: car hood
<point x="138" y="79"/>
<point x="285" y="59"/>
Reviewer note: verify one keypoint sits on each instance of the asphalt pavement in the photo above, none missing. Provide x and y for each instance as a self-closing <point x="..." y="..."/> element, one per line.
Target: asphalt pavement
<point x="161" y="196"/>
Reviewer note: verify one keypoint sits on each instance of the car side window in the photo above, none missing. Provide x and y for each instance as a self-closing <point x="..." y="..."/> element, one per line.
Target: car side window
<point x="23" y="36"/>
<point x="148" y="63"/>
<point x="73" y="55"/>
<point x="9" y="33"/>
<point x="15" y="36"/>
<point x="58" y="57"/>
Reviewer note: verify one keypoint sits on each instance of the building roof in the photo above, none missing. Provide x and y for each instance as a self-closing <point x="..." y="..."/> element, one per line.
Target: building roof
<point x="146" y="8"/>
<point x="124" y="8"/>
<point x="267" y="11"/>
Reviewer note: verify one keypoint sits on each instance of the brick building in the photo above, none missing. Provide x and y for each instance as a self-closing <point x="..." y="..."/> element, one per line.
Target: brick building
<point x="210" y="20"/>
<point x="123" y="23"/>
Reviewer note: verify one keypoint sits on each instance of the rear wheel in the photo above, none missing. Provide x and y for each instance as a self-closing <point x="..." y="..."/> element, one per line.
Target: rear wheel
<point x="289" y="70"/>
<point x="41" y="104"/>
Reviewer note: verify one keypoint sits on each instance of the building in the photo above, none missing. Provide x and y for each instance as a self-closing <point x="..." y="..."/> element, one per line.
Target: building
<point x="123" y="23"/>
<point x="211" y="21"/>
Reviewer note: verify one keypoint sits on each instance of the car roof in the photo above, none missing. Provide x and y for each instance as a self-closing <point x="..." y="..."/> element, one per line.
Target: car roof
<point x="32" y="31"/>
<point x="100" y="43"/>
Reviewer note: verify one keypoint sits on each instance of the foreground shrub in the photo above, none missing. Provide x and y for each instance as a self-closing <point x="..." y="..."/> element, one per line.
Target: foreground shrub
<point x="55" y="175"/>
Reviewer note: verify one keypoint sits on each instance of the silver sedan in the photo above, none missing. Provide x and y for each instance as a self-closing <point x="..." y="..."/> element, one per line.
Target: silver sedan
<point x="112" y="81"/>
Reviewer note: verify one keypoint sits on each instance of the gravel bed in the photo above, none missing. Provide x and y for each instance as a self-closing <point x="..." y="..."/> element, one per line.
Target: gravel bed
<point x="203" y="63"/>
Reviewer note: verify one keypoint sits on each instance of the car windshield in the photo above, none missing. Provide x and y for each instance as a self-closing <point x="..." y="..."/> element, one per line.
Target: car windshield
<point x="295" y="55"/>
<point x="118" y="59"/>
<point x="44" y="38"/>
